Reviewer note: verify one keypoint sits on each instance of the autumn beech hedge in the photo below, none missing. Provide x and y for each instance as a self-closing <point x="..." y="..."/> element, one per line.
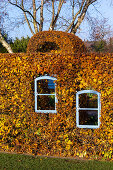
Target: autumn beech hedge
<point x="63" y="42"/>
<point x="25" y="131"/>
<point x="64" y="57"/>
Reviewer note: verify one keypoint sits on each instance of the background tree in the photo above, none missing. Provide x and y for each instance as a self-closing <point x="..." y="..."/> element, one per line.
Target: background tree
<point x="99" y="46"/>
<point x="3" y="42"/>
<point x="110" y="45"/>
<point x="100" y="35"/>
<point x="20" y="45"/>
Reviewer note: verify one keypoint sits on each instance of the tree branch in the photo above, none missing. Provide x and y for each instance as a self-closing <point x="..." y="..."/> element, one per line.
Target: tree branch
<point x="76" y="15"/>
<point x="26" y="11"/>
<point x="27" y="19"/>
<point x="57" y="15"/>
<point x="84" y="7"/>
<point x="40" y="6"/>
<point x="83" y="11"/>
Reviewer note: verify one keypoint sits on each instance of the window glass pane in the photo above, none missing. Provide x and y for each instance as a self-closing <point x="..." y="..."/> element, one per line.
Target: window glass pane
<point x="88" y="117"/>
<point x="88" y="100"/>
<point x="46" y="102"/>
<point x="45" y="86"/>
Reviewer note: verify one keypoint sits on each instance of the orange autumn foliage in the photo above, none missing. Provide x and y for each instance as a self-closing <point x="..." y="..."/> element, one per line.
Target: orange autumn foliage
<point x="23" y="130"/>
<point x="51" y="41"/>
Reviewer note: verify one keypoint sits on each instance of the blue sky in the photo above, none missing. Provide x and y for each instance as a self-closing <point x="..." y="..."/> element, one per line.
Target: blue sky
<point x="104" y="10"/>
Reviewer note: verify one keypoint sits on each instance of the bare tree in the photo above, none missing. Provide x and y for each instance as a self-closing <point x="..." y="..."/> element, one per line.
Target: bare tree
<point x="34" y="13"/>
<point x="100" y="35"/>
<point x="100" y="30"/>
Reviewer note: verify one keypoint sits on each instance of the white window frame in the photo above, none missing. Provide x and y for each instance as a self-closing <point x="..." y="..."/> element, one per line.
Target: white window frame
<point x="78" y="108"/>
<point x="36" y="94"/>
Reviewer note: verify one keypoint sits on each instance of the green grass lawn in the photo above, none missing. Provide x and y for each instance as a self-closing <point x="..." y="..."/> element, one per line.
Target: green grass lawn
<point x="23" y="162"/>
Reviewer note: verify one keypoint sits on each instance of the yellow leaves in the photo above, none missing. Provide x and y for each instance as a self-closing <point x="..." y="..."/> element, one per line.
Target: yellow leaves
<point x="69" y="142"/>
<point x="54" y="131"/>
<point x="15" y="132"/>
<point x="19" y="124"/>
<point x="38" y="132"/>
<point x="100" y="82"/>
<point x="18" y="59"/>
<point x="110" y="90"/>
<point x="69" y="65"/>
<point x="83" y="83"/>
<point x="58" y="142"/>
<point x="56" y="51"/>
<point x="71" y="99"/>
<point x="65" y="136"/>
<point x="71" y="90"/>
<point x="96" y="58"/>
<point x="82" y="154"/>
<point x="107" y="154"/>
<point x="58" y="42"/>
<point x="95" y="80"/>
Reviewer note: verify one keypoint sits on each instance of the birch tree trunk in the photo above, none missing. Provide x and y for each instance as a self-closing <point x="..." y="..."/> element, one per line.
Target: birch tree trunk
<point x="34" y="15"/>
<point x="41" y="16"/>
<point x="5" y="44"/>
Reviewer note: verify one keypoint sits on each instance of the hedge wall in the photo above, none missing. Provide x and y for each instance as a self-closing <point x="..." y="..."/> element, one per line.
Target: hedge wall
<point x="55" y="41"/>
<point x="24" y="131"/>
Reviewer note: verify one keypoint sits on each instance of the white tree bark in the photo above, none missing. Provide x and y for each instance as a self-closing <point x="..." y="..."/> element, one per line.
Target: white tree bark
<point x="34" y="15"/>
<point x="5" y="44"/>
<point x="54" y="20"/>
<point x="41" y="16"/>
<point x="53" y="15"/>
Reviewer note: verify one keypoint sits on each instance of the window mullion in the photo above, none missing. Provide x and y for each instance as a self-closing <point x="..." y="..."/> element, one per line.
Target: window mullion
<point x="45" y="94"/>
<point x="87" y="108"/>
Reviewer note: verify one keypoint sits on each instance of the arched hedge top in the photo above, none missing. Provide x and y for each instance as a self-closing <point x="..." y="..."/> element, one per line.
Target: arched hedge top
<point x="59" y="41"/>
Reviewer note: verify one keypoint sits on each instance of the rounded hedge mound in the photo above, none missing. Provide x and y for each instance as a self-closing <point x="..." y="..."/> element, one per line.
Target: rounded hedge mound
<point x="51" y="41"/>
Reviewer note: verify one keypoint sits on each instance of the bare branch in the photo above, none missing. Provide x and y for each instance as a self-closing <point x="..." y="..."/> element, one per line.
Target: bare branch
<point x="41" y="16"/>
<point x="76" y="15"/>
<point x="64" y="19"/>
<point x="40" y="6"/>
<point x="82" y="15"/>
<point x="57" y="15"/>
<point x="26" y="11"/>
<point x="73" y="6"/>
<point x="27" y="19"/>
